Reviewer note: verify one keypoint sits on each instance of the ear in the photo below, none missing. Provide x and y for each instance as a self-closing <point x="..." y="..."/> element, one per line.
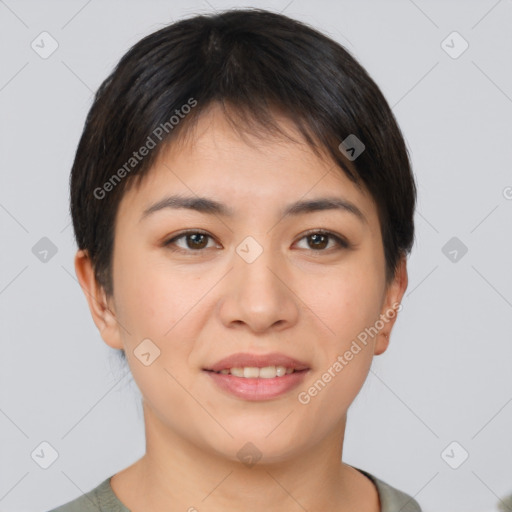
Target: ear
<point x="391" y="306"/>
<point x="103" y="313"/>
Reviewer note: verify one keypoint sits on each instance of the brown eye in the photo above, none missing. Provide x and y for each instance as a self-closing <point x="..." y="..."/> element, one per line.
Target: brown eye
<point x="190" y="241"/>
<point x="319" y="240"/>
<point x="196" y="240"/>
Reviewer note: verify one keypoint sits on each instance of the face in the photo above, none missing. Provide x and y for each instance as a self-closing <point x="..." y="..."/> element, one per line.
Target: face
<point x="243" y="318"/>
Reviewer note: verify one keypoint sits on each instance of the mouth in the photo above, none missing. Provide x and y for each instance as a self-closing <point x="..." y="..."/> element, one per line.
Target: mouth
<point x="257" y="377"/>
<point x="246" y="365"/>
<point x="253" y="372"/>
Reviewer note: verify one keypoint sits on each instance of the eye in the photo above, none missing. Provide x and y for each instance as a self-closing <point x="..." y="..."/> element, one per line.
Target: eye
<point x="318" y="240"/>
<point x="197" y="241"/>
<point x="193" y="241"/>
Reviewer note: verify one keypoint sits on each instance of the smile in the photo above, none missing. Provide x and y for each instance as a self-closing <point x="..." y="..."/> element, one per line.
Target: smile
<point x="257" y="377"/>
<point x="252" y="372"/>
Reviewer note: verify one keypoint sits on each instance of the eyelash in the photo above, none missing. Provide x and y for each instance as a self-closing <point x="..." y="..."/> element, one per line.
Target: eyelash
<point x="340" y="241"/>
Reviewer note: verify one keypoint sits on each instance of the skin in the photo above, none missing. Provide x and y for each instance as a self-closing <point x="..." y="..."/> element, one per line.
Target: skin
<point x="205" y="304"/>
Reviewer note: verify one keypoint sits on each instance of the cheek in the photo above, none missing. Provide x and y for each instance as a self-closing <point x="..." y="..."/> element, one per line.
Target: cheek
<point x="160" y="307"/>
<point x="152" y="299"/>
<point x="347" y="301"/>
<point x="343" y="358"/>
<point x="160" y="304"/>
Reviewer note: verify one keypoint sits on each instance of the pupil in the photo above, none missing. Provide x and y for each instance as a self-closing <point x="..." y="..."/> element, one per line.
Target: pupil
<point x="195" y="240"/>
<point x="316" y="238"/>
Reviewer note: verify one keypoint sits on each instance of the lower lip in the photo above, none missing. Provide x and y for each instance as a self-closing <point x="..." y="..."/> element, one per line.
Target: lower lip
<point x="258" y="389"/>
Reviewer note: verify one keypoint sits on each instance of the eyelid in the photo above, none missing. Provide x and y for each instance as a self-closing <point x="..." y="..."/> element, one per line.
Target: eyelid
<point x="182" y="234"/>
<point x="340" y="239"/>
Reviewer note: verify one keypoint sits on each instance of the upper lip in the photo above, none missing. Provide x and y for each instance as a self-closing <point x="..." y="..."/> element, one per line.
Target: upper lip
<point x="244" y="360"/>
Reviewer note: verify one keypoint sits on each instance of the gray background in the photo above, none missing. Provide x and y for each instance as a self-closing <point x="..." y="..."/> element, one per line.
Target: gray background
<point x="447" y="374"/>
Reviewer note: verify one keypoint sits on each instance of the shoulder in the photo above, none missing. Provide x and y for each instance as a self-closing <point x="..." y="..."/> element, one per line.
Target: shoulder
<point x="392" y="499"/>
<point x="99" y="499"/>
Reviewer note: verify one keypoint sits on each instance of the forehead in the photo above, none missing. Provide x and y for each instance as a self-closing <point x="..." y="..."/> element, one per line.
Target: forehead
<point x="216" y="160"/>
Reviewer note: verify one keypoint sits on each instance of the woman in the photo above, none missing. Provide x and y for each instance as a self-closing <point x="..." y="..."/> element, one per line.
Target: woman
<point x="243" y="205"/>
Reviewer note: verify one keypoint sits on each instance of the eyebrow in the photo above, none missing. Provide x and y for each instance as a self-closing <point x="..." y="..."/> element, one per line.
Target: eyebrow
<point x="212" y="207"/>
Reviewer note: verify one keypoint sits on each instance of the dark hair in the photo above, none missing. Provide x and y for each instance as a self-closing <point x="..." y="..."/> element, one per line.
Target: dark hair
<point x="254" y="63"/>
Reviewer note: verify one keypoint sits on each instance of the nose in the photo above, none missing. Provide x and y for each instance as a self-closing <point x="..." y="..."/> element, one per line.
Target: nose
<point x="259" y="295"/>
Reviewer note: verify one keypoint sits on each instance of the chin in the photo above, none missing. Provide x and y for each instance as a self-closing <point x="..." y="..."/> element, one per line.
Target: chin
<point x="251" y="446"/>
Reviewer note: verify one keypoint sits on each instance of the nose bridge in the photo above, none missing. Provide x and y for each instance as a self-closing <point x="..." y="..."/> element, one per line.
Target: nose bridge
<point x="256" y="263"/>
<point x="258" y="295"/>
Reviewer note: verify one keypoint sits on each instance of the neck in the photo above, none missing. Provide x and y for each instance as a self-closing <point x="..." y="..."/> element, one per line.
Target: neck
<point x="177" y="475"/>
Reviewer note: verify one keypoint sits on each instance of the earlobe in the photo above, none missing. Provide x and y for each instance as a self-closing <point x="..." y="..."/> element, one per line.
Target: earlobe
<point x="392" y="304"/>
<point x="102" y="314"/>
<point x="381" y="344"/>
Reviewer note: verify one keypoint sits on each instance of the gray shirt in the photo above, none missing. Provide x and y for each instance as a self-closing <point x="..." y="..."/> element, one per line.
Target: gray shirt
<point x="103" y="499"/>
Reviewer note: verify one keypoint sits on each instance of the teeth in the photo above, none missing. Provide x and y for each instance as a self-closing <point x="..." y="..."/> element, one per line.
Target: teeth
<point x="280" y="371"/>
<point x="268" y="372"/>
<point x="251" y="372"/>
